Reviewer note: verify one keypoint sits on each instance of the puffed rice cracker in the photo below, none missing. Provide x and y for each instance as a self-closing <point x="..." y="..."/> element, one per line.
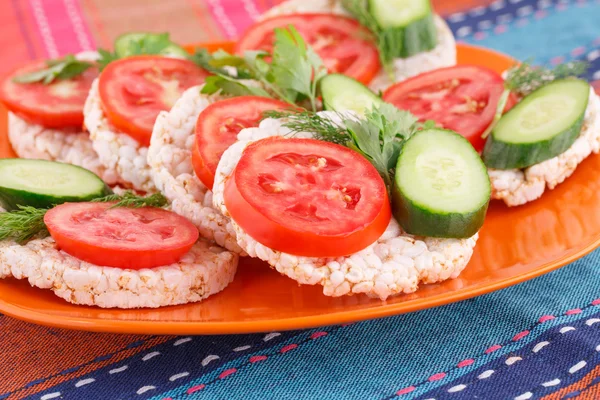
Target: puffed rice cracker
<point x="170" y="160"/>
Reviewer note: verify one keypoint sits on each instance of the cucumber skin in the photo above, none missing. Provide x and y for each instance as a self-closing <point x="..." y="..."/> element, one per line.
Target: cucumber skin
<point x="502" y="155"/>
<point x="325" y="94"/>
<point x="419" y="221"/>
<point x="10" y="198"/>
<point x="417" y="37"/>
<point x="420" y="36"/>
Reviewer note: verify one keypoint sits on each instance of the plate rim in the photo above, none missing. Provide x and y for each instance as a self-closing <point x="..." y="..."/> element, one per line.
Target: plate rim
<point x="305" y="322"/>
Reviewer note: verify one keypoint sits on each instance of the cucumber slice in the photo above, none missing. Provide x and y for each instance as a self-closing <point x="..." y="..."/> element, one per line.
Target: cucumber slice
<point x="542" y="126"/>
<point x="408" y="23"/>
<point x="441" y="188"/>
<point x="42" y="184"/>
<point x="341" y="93"/>
<point x="123" y="43"/>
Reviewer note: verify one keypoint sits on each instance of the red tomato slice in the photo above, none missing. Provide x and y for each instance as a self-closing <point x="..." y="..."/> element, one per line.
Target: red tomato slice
<point x="127" y="238"/>
<point x="218" y="126"/>
<point x="135" y="90"/>
<point x="342" y="42"/>
<point x="56" y="105"/>
<point x="462" y="98"/>
<point x="308" y="197"/>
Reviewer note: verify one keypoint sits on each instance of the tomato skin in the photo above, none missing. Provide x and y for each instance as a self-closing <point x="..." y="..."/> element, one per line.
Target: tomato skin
<point x="462" y="98"/>
<point x="217" y="128"/>
<point x="134" y="90"/>
<point x="47" y="105"/>
<point x="344" y="45"/>
<point x="93" y="239"/>
<point x="303" y="239"/>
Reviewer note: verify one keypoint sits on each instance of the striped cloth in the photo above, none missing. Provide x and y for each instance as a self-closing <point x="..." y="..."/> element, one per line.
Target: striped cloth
<point x="539" y="339"/>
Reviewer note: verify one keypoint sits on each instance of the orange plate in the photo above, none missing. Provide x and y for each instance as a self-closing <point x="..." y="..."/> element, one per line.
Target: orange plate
<point x="515" y="245"/>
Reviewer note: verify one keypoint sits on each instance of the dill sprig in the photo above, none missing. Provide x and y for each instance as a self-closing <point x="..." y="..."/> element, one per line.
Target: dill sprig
<point x="131" y="200"/>
<point x="23" y="224"/>
<point x="524" y="78"/>
<point x="321" y="127"/>
<point x="378" y="136"/>
<point x="28" y="222"/>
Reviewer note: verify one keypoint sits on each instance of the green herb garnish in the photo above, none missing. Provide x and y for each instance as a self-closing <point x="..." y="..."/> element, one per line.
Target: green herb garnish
<point x="523" y="79"/>
<point x="221" y="63"/>
<point x="63" y="68"/>
<point x="28" y="222"/>
<point x="378" y="136"/>
<point x="106" y="57"/>
<point x="291" y="75"/>
<point x="23" y="224"/>
<point x="149" y="44"/>
<point x="131" y="200"/>
<point x="321" y="127"/>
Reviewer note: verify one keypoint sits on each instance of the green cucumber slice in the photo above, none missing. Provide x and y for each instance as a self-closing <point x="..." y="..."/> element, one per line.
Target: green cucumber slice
<point x="341" y="93"/>
<point x="408" y="23"/>
<point x="441" y="187"/>
<point x="123" y="46"/>
<point x="42" y="184"/>
<point x="542" y="126"/>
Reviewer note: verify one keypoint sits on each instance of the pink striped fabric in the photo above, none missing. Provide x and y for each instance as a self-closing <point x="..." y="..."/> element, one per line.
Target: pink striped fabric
<point x="61" y="26"/>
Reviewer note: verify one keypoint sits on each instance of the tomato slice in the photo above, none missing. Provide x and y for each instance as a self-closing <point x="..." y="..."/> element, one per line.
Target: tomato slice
<point x="135" y="90"/>
<point x="308" y="197"/>
<point x="127" y="238"/>
<point x="56" y="105"/>
<point x="218" y="126"/>
<point x="342" y="43"/>
<point x="462" y="98"/>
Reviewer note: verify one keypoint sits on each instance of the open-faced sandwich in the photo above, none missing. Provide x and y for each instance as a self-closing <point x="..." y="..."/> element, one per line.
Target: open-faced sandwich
<point x="540" y="142"/>
<point x="64" y="230"/>
<point x="45" y="120"/>
<point x="315" y="201"/>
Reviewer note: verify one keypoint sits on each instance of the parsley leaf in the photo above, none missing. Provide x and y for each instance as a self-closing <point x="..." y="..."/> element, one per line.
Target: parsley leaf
<point x="222" y="63"/>
<point x="231" y="86"/>
<point x="63" y="68"/>
<point x="379" y="136"/>
<point x="296" y="68"/>
<point x="291" y="76"/>
<point x="106" y="57"/>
